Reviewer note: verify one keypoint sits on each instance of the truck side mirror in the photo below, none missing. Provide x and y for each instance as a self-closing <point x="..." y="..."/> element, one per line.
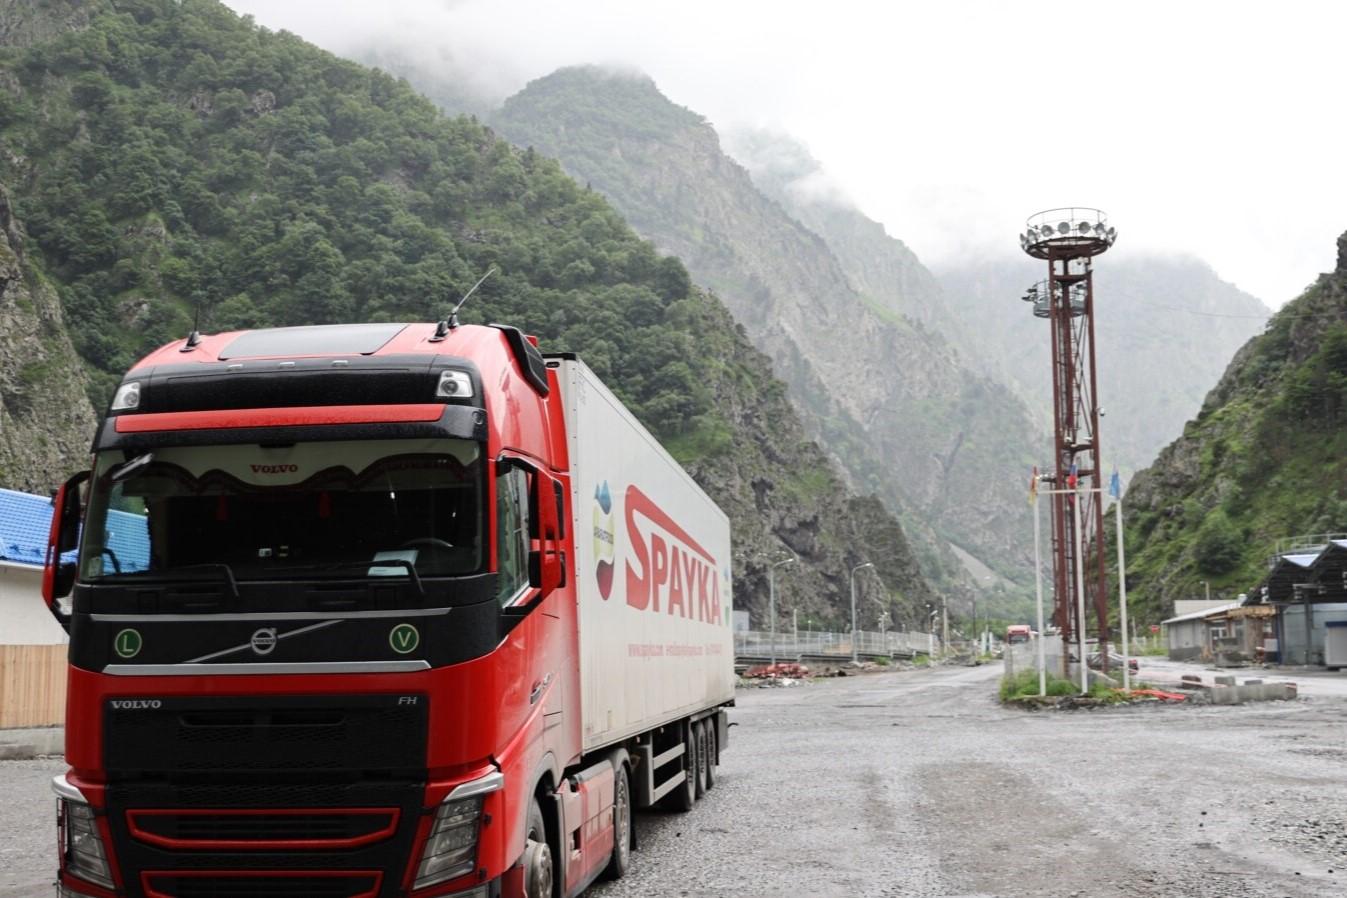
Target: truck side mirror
<point x="58" y="577"/>
<point x="547" y="563"/>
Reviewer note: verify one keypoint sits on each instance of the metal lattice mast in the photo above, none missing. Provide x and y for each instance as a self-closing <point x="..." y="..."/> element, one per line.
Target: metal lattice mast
<point x="1069" y="239"/>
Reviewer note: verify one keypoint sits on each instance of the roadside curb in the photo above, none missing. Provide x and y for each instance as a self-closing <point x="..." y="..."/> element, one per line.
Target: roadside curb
<point x="28" y="743"/>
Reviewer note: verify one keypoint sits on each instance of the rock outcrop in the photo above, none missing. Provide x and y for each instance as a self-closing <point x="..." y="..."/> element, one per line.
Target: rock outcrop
<point x="46" y="421"/>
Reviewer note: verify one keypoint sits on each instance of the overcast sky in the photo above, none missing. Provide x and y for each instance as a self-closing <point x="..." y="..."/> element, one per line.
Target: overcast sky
<point x="1210" y="128"/>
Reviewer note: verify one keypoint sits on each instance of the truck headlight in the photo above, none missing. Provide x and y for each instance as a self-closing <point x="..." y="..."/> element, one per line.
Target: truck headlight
<point x="127" y="397"/>
<point x="451" y="847"/>
<point x="81" y="844"/>
<point x="454" y="384"/>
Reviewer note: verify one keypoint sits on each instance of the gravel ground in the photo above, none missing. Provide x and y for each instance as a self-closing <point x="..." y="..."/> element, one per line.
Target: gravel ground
<point x="28" y="827"/>
<point x="919" y="784"/>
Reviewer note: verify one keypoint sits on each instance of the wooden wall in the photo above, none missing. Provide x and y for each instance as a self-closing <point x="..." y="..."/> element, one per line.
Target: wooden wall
<point x="32" y="685"/>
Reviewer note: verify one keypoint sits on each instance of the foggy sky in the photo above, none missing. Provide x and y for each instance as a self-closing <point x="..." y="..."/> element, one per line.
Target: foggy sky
<point x="1201" y="127"/>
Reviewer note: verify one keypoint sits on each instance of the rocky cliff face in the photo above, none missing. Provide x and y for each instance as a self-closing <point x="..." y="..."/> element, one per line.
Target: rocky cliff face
<point x="1264" y="459"/>
<point x="46" y="421"/>
<point x="880" y="267"/>
<point x="890" y="399"/>
<point x="24" y="23"/>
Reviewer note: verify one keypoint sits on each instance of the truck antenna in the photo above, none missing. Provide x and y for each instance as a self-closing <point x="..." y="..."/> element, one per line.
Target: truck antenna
<point x="194" y="338"/>
<point x="450" y="321"/>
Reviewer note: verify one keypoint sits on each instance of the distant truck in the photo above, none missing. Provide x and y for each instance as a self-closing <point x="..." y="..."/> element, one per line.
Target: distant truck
<point x="1017" y="633"/>
<point x="416" y="610"/>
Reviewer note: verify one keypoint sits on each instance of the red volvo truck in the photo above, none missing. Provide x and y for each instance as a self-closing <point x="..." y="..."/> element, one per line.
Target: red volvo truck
<point x="380" y="609"/>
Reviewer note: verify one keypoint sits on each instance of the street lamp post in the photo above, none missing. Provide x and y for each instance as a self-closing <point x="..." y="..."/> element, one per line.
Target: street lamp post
<point x="855" y="657"/>
<point x="771" y="596"/>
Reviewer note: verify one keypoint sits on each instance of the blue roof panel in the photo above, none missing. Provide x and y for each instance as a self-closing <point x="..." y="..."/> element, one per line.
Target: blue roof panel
<point x="25" y="521"/>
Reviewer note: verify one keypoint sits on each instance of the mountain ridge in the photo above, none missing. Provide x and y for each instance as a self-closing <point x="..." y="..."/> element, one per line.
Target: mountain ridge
<point x="886" y="395"/>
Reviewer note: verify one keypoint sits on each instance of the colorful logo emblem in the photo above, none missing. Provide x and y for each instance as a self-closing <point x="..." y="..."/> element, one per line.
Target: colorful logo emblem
<point x="604" y="540"/>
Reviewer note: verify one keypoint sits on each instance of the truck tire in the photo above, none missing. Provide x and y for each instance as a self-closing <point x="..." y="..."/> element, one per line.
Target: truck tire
<point x="699" y="737"/>
<point x="539" y="868"/>
<point x="621" y="857"/>
<point x="682" y="798"/>
<point x="712" y="755"/>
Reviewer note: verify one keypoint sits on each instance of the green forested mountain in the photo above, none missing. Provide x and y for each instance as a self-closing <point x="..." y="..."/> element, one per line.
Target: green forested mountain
<point x="1265" y="459"/>
<point x="170" y="160"/>
<point x="890" y="398"/>
<point x="1165" y="330"/>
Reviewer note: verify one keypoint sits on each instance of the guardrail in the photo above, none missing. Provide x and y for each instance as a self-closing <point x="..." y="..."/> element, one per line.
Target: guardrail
<point x="758" y="644"/>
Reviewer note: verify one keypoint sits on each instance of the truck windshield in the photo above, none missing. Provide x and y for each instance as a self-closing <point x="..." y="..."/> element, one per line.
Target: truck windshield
<point x="365" y="508"/>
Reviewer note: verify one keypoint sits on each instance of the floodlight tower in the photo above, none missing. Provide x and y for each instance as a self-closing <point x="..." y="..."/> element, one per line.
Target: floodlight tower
<point x="1069" y="239"/>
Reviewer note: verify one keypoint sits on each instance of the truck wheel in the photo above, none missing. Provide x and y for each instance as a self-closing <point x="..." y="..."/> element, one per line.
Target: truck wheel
<point x="621" y="859"/>
<point x="712" y="755"/>
<point x="699" y="737"/>
<point x="682" y="798"/>
<point x="538" y="870"/>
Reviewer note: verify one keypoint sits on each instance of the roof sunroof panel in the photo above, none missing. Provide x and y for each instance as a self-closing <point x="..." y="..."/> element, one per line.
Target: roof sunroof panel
<point x="328" y="339"/>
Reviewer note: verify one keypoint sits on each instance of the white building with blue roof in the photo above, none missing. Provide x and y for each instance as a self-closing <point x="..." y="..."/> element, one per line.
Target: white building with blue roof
<point x="24" y="523"/>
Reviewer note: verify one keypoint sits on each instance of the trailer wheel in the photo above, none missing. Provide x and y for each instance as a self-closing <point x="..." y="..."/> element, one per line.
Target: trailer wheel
<point x="539" y="873"/>
<point x="712" y="753"/>
<point x="621" y="858"/>
<point x="682" y="798"/>
<point x="699" y="737"/>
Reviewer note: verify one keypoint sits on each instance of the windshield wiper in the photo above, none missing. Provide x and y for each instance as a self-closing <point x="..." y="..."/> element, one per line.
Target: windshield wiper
<point x="382" y="562"/>
<point x="127" y="468"/>
<point x="168" y="574"/>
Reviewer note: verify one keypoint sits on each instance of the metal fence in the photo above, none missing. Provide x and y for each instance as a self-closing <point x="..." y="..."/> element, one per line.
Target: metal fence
<point x="755" y="644"/>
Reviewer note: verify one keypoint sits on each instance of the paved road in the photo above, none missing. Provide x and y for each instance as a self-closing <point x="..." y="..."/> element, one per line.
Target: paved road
<point x="919" y="784"/>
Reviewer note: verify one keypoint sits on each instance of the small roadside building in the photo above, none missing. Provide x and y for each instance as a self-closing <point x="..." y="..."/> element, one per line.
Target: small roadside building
<point x="1192" y="636"/>
<point x="32" y="644"/>
<point x="1306" y="592"/>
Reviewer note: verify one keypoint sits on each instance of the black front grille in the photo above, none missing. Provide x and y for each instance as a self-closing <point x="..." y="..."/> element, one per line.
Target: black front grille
<point x="195" y="829"/>
<point x="168" y="885"/>
<point x="176" y="736"/>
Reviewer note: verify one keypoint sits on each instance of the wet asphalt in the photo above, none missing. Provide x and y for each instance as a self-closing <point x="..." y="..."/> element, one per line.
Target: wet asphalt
<point x="917" y="783"/>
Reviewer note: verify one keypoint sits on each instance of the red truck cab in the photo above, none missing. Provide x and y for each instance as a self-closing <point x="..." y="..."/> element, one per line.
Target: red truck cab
<point x="323" y="627"/>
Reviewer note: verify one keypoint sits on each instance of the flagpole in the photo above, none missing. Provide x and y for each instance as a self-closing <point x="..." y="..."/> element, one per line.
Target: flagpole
<point x="1122" y="584"/>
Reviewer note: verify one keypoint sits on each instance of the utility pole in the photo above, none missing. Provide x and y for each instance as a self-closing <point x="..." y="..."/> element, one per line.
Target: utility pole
<point x="944" y="625"/>
<point x="855" y="656"/>
<point x="771" y="596"/>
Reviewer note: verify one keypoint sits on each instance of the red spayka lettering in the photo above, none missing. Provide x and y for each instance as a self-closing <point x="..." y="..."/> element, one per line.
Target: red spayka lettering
<point x="672" y="563"/>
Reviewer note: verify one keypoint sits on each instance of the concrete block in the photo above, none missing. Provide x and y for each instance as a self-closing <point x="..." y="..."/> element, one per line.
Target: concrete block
<point x="1225" y="695"/>
<point x="1253" y="682"/>
<point x="1225" y="680"/>
<point x="1190" y="680"/>
<point x="17" y="751"/>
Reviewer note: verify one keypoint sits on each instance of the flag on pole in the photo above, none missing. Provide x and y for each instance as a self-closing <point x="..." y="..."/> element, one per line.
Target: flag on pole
<point x="1071" y="478"/>
<point x="1115" y="485"/>
<point x="1033" y="486"/>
